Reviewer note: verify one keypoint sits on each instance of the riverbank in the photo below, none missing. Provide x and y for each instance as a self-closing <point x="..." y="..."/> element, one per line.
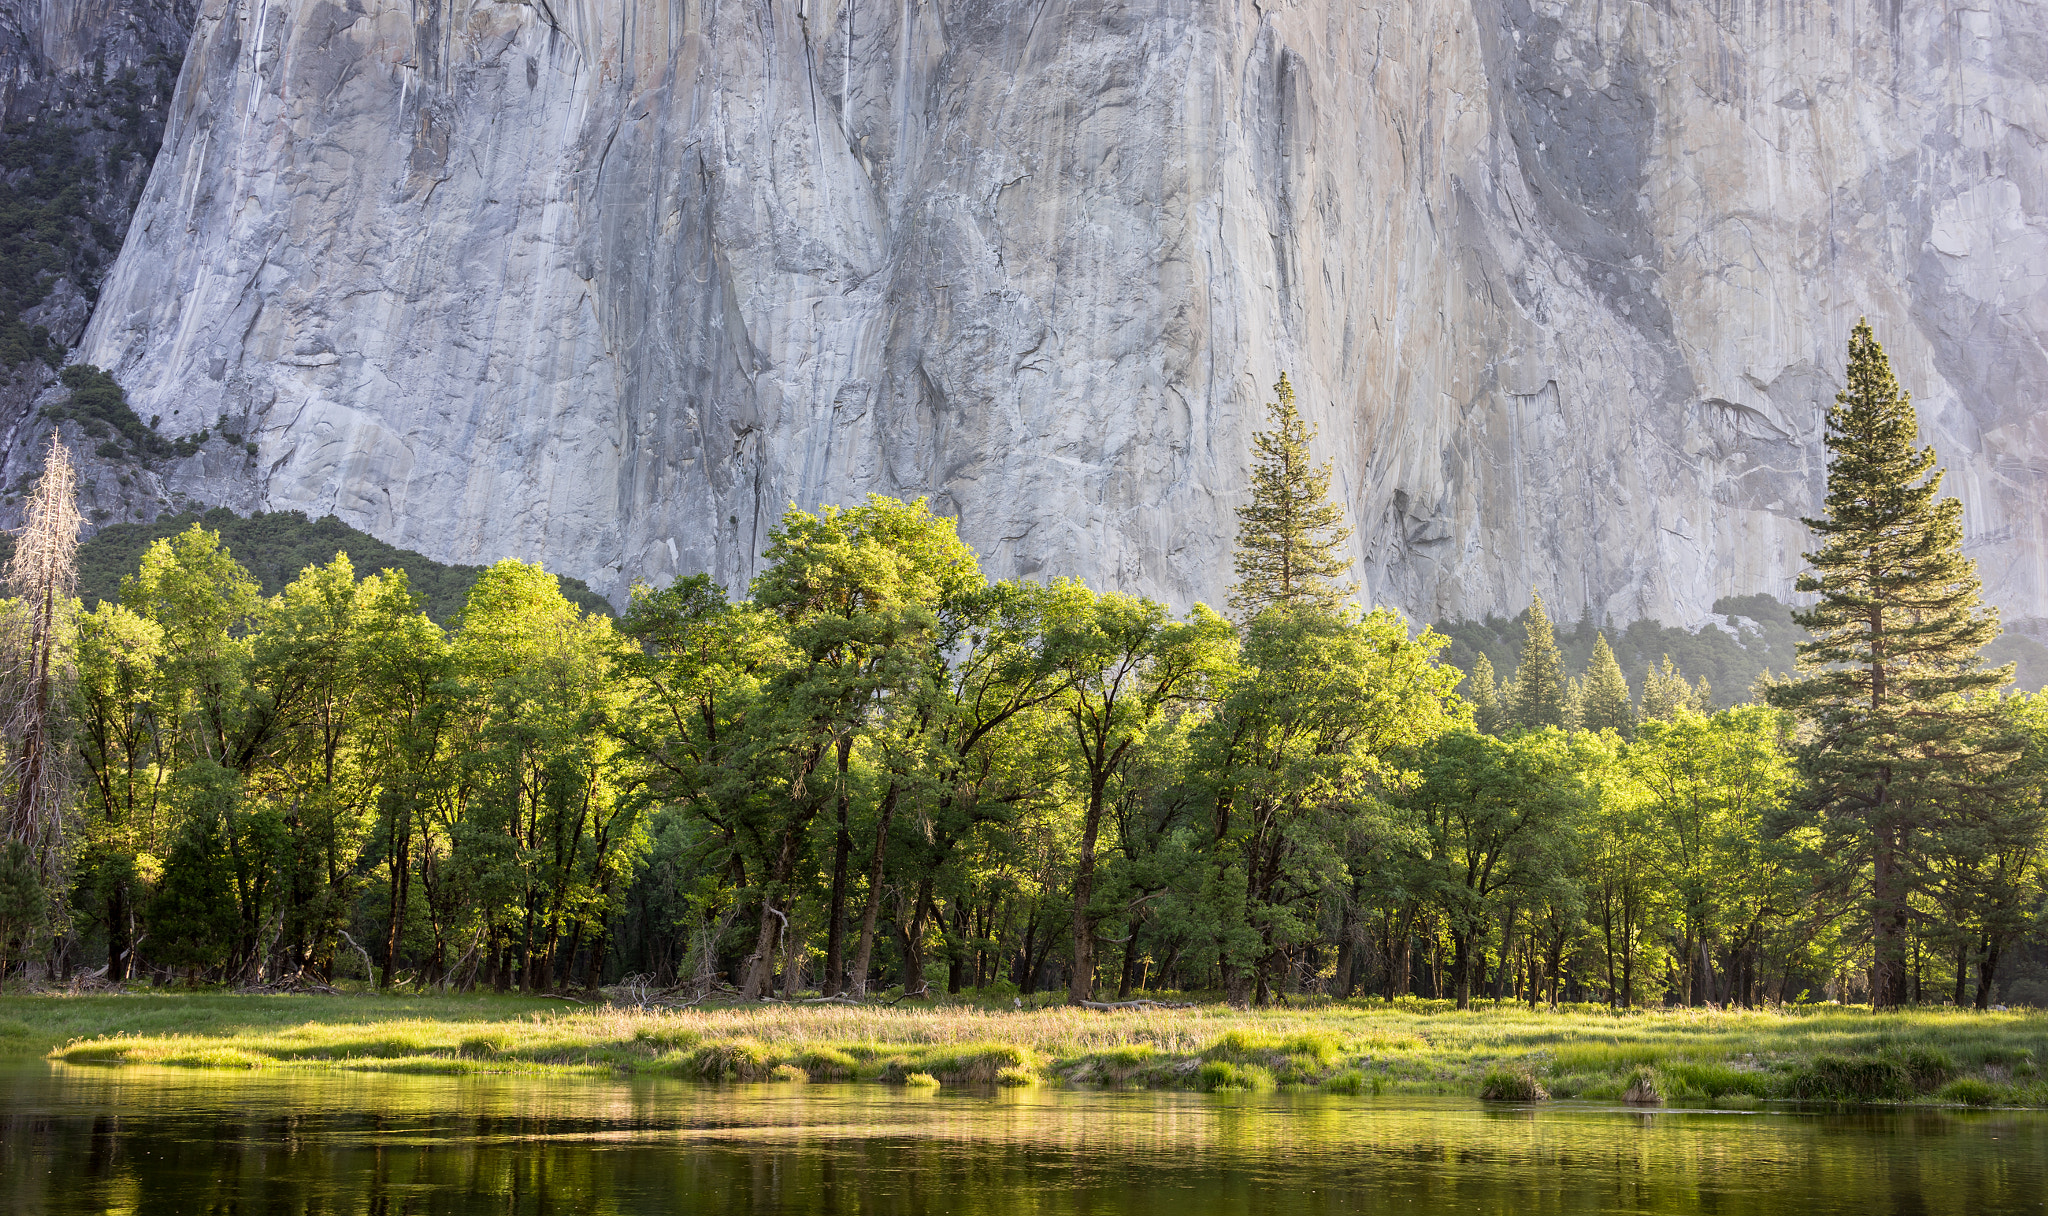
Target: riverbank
<point x="1683" y="1056"/>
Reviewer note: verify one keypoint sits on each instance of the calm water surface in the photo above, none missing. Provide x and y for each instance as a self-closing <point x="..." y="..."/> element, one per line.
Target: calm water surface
<point x="147" y="1141"/>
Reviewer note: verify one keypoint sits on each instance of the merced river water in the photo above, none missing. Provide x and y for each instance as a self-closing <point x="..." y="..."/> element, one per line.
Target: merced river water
<point x="145" y="1141"/>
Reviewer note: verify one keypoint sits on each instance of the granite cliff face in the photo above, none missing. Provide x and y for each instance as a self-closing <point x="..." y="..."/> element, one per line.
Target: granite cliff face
<point x="84" y="87"/>
<point x="1565" y="285"/>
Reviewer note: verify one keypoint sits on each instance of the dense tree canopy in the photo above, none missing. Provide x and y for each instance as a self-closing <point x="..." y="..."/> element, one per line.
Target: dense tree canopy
<point x="877" y="769"/>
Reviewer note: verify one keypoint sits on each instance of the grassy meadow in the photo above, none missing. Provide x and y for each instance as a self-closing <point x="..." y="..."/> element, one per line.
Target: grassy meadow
<point x="1680" y="1056"/>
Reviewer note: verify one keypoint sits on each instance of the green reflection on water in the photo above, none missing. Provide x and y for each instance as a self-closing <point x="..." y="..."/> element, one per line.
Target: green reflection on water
<point x="149" y="1141"/>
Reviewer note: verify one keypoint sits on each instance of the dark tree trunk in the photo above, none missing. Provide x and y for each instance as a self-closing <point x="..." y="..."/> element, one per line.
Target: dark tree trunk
<point x="119" y="943"/>
<point x="1081" y="986"/>
<point x="1888" y="972"/>
<point x="1123" y="985"/>
<point x="842" y="849"/>
<point x="1987" y="971"/>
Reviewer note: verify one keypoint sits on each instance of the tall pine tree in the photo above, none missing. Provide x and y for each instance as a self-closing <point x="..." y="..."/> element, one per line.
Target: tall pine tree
<point x="1290" y="537"/>
<point x="1605" y="703"/>
<point x="1537" y="695"/>
<point x="1891" y="690"/>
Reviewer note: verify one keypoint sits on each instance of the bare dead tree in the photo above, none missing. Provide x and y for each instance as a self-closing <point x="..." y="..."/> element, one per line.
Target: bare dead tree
<point x="41" y="576"/>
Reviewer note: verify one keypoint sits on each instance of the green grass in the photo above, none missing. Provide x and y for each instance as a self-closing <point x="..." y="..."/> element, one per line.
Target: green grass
<point x="1828" y="1054"/>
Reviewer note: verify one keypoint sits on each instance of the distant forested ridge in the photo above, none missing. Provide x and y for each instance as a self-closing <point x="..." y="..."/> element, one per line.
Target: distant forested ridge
<point x="275" y="546"/>
<point x="1754" y="634"/>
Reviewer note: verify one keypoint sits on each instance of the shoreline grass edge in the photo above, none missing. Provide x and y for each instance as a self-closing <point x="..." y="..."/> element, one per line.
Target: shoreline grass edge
<point x="1508" y="1052"/>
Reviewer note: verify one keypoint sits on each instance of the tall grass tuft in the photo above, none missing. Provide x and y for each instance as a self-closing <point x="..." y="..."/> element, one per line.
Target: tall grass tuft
<point x="1511" y="1084"/>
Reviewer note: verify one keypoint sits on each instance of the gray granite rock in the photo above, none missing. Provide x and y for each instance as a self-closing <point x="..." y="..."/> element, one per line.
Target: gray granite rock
<point x="1565" y="285"/>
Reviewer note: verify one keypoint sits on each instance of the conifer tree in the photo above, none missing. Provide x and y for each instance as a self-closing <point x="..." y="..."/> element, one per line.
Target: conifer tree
<point x="41" y="575"/>
<point x="1665" y="692"/>
<point x="1605" y="703"/>
<point x="1537" y="696"/>
<point x="1891" y="688"/>
<point x="1290" y="537"/>
<point x="1483" y="691"/>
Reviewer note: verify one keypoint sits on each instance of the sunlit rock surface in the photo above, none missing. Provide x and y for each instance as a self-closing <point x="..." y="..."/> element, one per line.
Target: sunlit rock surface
<point x="1565" y="286"/>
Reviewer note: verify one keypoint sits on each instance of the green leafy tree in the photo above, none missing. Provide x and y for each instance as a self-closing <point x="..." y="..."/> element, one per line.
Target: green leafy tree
<point x="126" y="824"/>
<point x="1290" y="537"/>
<point x="1713" y="787"/>
<point x="1537" y="695"/>
<point x="1124" y="661"/>
<point x="546" y="826"/>
<point x="867" y="596"/>
<point x="1488" y="824"/>
<point x="694" y="682"/>
<point x="1295" y="755"/>
<point x="1894" y="737"/>
<point x="1989" y="864"/>
<point x="1605" y="703"/>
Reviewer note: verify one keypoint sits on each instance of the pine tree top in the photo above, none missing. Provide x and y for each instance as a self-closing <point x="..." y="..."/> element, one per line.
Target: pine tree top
<point x="1483" y="692"/>
<point x="1539" y="697"/>
<point x="1899" y="616"/>
<point x="1290" y="537"/>
<point x="1893" y="668"/>
<point x="1605" y="703"/>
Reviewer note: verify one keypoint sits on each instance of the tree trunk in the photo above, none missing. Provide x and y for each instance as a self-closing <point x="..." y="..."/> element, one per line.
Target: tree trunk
<point x="1237" y="984"/>
<point x="913" y="938"/>
<point x="792" y="962"/>
<point x="1123" y="984"/>
<point x="864" y="953"/>
<point x="119" y="943"/>
<point x="1888" y="975"/>
<point x="1962" y="971"/>
<point x="761" y="964"/>
<point x="394" y="922"/>
<point x="956" y="948"/>
<point x="1987" y="971"/>
<point x="1461" y="966"/>
<point x="842" y="849"/>
<point x="1401" y="980"/>
<point x="1504" y="977"/>
<point x="1081" y="987"/>
<point x="1346" y="950"/>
